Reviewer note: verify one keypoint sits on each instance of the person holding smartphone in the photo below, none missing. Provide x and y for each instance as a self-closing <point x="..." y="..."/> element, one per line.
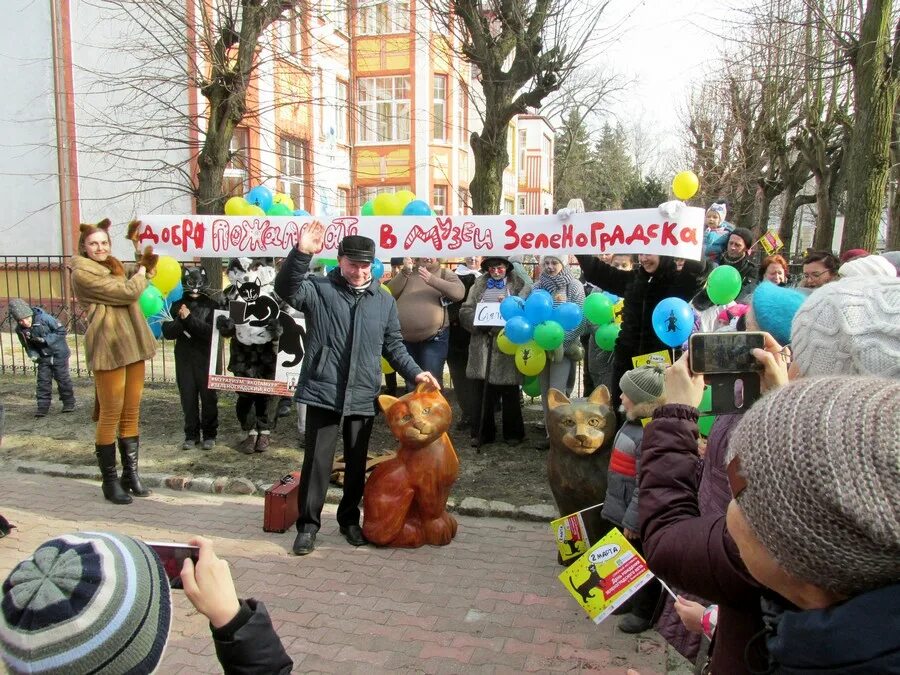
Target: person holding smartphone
<point x="82" y="586"/>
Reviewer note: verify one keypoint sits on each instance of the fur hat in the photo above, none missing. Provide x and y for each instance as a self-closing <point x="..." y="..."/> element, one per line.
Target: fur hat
<point x="85" y="603"/>
<point x="87" y="230"/>
<point x="744" y="234"/>
<point x="358" y="248"/>
<point x="645" y="384"/>
<point x="20" y="309"/>
<point x="775" y="307"/>
<point x="849" y="327"/>
<point x="720" y="209"/>
<point x="820" y="461"/>
<point x="869" y="265"/>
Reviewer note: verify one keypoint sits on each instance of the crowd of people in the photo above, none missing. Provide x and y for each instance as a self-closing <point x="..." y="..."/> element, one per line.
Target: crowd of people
<point x="779" y="530"/>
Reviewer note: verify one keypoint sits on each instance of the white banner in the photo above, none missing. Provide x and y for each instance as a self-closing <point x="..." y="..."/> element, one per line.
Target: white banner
<point x="633" y="231"/>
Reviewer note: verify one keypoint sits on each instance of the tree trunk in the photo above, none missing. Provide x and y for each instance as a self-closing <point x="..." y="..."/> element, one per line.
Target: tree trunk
<point x="491" y="159"/>
<point x="868" y="160"/>
<point x="789" y="216"/>
<point x="824" y="212"/>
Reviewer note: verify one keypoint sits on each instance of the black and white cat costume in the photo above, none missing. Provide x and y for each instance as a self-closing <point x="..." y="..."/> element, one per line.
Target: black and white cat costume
<point x="193" y="341"/>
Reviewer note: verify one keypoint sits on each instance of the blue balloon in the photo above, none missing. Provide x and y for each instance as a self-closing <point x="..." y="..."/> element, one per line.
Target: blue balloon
<point x="539" y="306"/>
<point x="175" y="295"/>
<point x="261" y="196"/>
<point x="612" y="298"/>
<point x="673" y="321"/>
<point x="155" y="322"/>
<point x="512" y="306"/>
<point x="518" y="330"/>
<point x="568" y="315"/>
<point x="377" y="269"/>
<point x="417" y="207"/>
<point x="301" y="212"/>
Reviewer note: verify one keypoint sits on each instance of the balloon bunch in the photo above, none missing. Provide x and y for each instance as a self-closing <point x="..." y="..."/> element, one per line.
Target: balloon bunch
<point x="533" y="327"/>
<point x="165" y="289"/>
<point x="261" y="201"/>
<point x="599" y="309"/>
<point x="401" y="203"/>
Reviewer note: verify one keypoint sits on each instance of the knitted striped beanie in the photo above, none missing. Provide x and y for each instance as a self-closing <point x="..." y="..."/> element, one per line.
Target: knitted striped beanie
<point x="821" y="461"/>
<point x="88" y="602"/>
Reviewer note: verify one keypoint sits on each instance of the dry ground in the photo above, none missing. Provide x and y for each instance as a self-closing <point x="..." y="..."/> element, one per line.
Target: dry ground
<point x="515" y="475"/>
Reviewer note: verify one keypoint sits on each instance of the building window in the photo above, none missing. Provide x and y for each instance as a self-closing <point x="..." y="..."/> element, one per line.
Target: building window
<point x="509" y="206"/>
<point x="522" y="202"/>
<point x="464" y="207"/>
<point x="290" y="36"/>
<point x="337" y="14"/>
<point x="342" y="111"/>
<point x="523" y="137"/>
<point x="293" y="156"/>
<point x="462" y="113"/>
<point x="341" y="206"/>
<point x="383" y="104"/>
<point x="379" y="18"/>
<point x="547" y="161"/>
<point x="366" y="193"/>
<point x="439" y="109"/>
<point x="439" y="199"/>
<point x="235" y="182"/>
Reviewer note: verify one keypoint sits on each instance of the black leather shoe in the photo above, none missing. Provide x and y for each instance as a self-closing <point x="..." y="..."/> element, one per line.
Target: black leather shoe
<point x="353" y="534"/>
<point x="305" y="543"/>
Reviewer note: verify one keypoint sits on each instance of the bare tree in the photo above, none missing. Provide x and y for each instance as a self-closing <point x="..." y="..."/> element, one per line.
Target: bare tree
<point x="523" y="50"/>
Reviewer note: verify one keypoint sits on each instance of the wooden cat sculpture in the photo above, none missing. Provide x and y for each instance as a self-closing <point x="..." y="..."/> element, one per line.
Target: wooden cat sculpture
<point x="581" y="440"/>
<point x="405" y="499"/>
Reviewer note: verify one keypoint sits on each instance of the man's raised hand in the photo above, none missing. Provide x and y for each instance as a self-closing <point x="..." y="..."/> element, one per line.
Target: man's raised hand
<point x="312" y="238"/>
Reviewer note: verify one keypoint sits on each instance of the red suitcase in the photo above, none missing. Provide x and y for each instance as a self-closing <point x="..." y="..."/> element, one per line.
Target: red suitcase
<point x="281" y="510"/>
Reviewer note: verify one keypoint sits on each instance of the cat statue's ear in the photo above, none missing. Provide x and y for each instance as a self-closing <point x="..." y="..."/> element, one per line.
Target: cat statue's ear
<point x="256" y="283"/>
<point x="386" y="401"/>
<point x="425" y="387"/>
<point x="556" y="398"/>
<point x="600" y="396"/>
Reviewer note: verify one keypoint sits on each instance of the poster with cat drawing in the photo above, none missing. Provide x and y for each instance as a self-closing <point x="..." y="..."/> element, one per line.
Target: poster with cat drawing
<point x="609" y="573"/>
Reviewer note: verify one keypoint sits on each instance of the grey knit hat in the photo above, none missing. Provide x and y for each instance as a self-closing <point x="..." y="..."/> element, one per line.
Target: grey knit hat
<point x="20" y="309"/>
<point x="850" y="326"/>
<point x="644" y="384"/>
<point x="86" y="603"/>
<point x="821" y="459"/>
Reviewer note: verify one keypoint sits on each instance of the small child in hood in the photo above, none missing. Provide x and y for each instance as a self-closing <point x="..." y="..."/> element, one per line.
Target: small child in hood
<point x="44" y="340"/>
<point x="716" y="232"/>
<point x="643" y="390"/>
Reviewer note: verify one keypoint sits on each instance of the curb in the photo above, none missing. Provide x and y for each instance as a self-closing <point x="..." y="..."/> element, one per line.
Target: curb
<point x="470" y="506"/>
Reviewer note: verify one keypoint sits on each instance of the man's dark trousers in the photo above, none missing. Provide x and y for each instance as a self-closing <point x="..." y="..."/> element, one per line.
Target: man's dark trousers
<point x="322" y="428"/>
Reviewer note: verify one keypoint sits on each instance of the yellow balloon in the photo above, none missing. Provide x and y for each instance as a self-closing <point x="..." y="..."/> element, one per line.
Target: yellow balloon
<point x="385" y="288"/>
<point x="685" y="185"/>
<point x="386" y="367"/>
<point x="505" y="346"/>
<point x="281" y="198"/>
<point x="168" y="274"/>
<point x="403" y="198"/>
<point x="530" y="359"/>
<point x="236" y="206"/>
<point x="254" y="210"/>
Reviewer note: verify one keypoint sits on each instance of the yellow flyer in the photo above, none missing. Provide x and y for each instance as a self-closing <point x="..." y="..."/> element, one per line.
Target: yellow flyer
<point x="574" y="533"/>
<point x="661" y="358"/>
<point x="606" y="576"/>
<point x="771" y="242"/>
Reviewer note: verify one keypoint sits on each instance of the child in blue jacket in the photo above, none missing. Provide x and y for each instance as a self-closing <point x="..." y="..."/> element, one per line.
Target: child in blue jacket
<point x="44" y="340"/>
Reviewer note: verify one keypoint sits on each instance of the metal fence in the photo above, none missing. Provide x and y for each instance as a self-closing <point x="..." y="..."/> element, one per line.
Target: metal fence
<point x="45" y="282"/>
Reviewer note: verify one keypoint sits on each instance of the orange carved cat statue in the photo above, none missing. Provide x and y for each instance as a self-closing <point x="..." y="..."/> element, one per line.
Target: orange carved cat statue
<point x="405" y="499"/>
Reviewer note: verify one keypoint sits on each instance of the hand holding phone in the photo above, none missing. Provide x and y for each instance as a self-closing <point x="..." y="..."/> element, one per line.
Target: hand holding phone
<point x="713" y="353"/>
<point x="209" y="586"/>
<point x="172" y="557"/>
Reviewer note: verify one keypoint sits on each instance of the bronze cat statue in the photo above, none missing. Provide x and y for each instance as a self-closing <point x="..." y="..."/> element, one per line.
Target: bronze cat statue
<point x="581" y="442"/>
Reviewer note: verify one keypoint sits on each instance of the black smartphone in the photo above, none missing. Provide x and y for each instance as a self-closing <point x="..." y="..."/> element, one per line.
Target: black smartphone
<point x="712" y="353"/>
<point x="172" y="557"/>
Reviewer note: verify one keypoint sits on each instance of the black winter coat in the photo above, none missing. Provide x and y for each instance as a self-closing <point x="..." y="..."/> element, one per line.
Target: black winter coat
<point x="346" y="335"/>
<point x="249" y="645"/>
<point x="193" y="335"/>
<point x="642" y="292"/>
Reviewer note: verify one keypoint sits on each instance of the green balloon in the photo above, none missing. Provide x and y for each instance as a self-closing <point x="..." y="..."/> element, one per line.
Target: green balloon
<point x="706" y="401"/>
<point x="151" y="301"/>
<point x="532" y="386"/>
<point x="606" y="336"/>
<point x="279" y="210"/>
<point x="368" y="208"/>
<point x="598" y="309"/>
<point x="723" y="285"/>
<point x="549" y="335"/>
<point x="705" y="423"/>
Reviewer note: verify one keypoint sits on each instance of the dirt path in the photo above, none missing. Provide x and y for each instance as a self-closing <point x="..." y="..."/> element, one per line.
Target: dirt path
<point x="516" y="475"/>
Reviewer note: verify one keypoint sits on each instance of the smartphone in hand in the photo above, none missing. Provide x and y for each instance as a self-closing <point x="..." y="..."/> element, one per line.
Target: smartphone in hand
<point x="172" y="557"/>
<point x="713" y="353"/>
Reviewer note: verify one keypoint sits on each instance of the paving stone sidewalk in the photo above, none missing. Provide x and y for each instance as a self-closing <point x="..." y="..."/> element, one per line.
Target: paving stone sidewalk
<point x="488" y="603"/>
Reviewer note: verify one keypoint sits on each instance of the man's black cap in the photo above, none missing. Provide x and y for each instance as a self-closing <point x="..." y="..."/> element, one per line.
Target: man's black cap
<point x="358" y="248"/>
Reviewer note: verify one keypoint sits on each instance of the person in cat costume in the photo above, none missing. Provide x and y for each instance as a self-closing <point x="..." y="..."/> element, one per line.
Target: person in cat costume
<point x="497" y="282"/>
<point x="118" y="342"/>
<point x="350" y="324"/>
<point x="253" y="347"/>
<point x="191" y="328"/>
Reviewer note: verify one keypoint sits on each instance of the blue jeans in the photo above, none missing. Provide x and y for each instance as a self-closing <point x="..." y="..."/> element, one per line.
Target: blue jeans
<point x="430" y="355"/>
